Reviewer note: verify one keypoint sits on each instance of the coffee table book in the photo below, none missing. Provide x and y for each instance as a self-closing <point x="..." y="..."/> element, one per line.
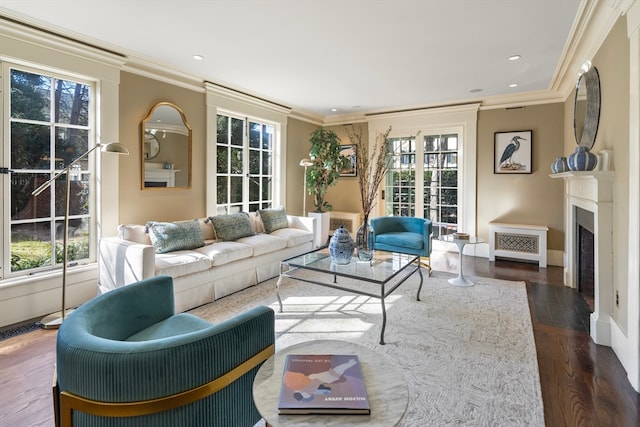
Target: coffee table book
<point x="323" y="384"/>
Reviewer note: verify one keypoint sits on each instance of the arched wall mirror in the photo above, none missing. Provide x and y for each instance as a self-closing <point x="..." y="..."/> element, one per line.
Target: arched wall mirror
<point x="165" y="148"/>
<point x="586" y="116"/>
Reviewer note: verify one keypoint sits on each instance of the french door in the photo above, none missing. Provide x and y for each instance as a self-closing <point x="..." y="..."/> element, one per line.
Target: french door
<point x="423" y="179"/>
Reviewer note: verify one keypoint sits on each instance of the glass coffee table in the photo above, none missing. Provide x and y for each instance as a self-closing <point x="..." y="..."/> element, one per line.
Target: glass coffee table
<point x="377" y="278"/>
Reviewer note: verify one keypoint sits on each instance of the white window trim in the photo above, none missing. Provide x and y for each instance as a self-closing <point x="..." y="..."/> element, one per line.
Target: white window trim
<point x="457" y="119"/>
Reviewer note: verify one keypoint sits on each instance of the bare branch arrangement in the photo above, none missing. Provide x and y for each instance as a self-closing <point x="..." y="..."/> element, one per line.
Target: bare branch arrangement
<point x="371" y="169"/>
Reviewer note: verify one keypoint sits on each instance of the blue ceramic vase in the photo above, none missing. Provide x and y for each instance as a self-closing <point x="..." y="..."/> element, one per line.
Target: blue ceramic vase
<point x="582" y="160"/>
<point x="341" y="246"/>
<point x="559" y="165"/>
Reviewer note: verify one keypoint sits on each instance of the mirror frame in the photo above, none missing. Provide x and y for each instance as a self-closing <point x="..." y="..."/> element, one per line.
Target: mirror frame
<point x="144" y="131"/>
<point x="591" y="80"/>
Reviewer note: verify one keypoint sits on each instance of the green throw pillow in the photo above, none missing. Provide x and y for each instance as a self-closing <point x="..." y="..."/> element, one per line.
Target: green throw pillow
<point x="233" y="226"/>
<point x="175" y="236"/>
<point x="273" y="219"/>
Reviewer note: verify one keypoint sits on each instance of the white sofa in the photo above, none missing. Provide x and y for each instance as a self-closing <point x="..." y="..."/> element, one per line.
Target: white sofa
<point x="206" y="273"/>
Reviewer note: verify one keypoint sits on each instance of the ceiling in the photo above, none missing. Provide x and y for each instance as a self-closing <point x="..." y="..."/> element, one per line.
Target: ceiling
<point x="353" y="56"/>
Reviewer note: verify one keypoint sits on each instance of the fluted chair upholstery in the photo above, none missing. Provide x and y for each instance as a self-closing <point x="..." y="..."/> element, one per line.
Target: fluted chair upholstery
<point x="408" y="235"/>
<point x="128" y="345"/>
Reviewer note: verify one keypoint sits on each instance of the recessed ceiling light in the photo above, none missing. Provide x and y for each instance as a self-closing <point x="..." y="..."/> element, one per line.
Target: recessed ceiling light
<point x="514" y="57"/>
<point x="198" y="57"/>
<point x="334" y="110"/>
<point x="513" y="85"/>
<point x="475" y="90"/>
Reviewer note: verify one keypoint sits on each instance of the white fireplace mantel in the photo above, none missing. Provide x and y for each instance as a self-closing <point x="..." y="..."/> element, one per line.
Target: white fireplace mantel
<point x="593" y="192"/>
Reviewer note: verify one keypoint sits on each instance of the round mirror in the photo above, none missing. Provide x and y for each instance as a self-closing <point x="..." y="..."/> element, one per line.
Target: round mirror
<point x="166" y="148"/>
<point x="586" y="114"/>
<point x="151" y="146"/>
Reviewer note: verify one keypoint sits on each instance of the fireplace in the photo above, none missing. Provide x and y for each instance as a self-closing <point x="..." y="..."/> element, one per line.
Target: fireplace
<point x="589" y="244"/>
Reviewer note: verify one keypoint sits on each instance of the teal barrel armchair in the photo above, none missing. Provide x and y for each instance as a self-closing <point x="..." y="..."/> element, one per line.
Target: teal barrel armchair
<point x="408" y="235"/>
<point x="127" y="359"/>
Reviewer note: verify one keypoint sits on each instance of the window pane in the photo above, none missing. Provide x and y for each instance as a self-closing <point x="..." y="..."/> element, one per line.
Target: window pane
<point x="222" y="194"/>
<point x="236" y="189"/>
<point x="25" y="206"/>
<point x="30" y="246"/>
<point x="254" y="162"/>
<point x="254" y="135"/>
<point x="266" y="163"/>
<point x="30" y="146"/>
<point x="254" y="189"/>
<point x="237" y="166"/>
<point x="222" y="127"/>
<point x="77" y="240"/>
<point x="72" y="103"/>
<point x="266" y="188"/>
<point x="267" y="137"/>
<point x="70" y="144"/>
<point x="78" y="192"/>
<point x="30" y="96"/>
<point x="237" y="127"/>
<point x="221" y="159"/>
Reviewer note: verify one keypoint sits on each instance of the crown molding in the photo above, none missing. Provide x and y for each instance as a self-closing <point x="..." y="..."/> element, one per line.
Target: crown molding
<point x="236" y="95"/>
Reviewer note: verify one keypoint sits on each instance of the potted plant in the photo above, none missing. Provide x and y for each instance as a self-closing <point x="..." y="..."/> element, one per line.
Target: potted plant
<point x="327" y="162"/>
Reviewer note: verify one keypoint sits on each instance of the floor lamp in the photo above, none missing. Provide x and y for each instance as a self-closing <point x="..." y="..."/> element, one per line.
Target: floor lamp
<point x="306" y="163"/>
<point x="54" y="320"/>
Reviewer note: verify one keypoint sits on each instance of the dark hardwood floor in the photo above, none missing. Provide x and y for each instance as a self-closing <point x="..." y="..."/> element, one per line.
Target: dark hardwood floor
<point x="582" y="384"/>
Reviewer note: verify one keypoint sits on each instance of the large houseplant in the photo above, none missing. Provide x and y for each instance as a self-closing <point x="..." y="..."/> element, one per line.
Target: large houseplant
<point x="324" y="171"/>
<point x="327" y="162"/>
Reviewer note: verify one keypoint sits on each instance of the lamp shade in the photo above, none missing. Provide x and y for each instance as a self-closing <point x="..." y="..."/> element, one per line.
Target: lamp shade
<point x="114" y="147"/>
<point x="306" y="162"/>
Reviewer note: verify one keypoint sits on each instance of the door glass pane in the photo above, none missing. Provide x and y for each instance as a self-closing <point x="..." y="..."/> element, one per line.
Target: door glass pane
<point x="440" y="183"/>
<point x="236" y="189"/>
<point x="254" y="135"/>
<point x="400" y="180"/>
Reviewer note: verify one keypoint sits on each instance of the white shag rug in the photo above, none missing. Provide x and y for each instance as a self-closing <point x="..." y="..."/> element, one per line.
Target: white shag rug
<point x="468" y="354"/>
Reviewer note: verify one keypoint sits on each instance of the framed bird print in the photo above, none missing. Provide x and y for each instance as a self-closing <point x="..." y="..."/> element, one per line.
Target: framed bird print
<point x="512" y="152"/>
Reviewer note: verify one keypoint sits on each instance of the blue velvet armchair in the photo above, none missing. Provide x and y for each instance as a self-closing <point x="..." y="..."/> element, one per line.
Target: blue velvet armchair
<point x="408" y="235"/>
<point x="126" y="358"/>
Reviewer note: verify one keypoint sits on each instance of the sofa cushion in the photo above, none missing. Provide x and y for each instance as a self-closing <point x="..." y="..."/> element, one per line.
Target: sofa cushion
<point x="175" y="236"/>
<point x="232" y="227"/>
<point x="405" y="239"/>
<point x="208" y="233"/>
<point x="134" y="233"/>
<point x="294" y="236"/>
<point x="264" y="243"/>
<point x="221" y="253"/>
<point x="273" y="219"/>
<point x="181" y="263"/>
<point x="256" y="222"/>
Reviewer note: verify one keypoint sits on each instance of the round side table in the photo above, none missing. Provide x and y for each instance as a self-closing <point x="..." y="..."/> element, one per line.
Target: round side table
<point x="385" y="383"/>
<point x="472" y="240"/>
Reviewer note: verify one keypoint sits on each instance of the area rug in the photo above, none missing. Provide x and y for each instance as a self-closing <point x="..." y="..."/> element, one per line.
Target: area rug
<point x="468" y="354"/>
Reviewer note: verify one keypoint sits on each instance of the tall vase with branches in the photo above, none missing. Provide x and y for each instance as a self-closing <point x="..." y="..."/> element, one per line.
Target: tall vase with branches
<point x="371" y="168"/>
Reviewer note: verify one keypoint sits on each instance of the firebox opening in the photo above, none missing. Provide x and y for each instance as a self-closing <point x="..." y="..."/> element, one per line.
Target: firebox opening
<point x="585" y="256"/>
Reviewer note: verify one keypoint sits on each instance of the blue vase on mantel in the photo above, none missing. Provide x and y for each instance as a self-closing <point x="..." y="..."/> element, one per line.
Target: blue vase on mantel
<point x="559" y="165"/>
<point x="582" y="160"/>
<point x="341" y="246"/>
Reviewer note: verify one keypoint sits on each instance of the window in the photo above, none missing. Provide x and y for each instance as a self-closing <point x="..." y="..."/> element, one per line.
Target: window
<point x="50" y="122"/>
<point x="244" y="164"/>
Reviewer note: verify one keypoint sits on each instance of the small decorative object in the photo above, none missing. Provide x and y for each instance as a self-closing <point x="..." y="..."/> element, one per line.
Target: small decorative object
<point x="582" y="159"/>
<point x="559" y="165"/>
<point x="341" y="246"/>
<point x="364" y="242"/>
<point x="512" y="152"/>
<point x="461" y="236"/>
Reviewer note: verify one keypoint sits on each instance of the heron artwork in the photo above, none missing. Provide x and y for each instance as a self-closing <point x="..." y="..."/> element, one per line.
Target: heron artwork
<point x="507" y="155"/>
